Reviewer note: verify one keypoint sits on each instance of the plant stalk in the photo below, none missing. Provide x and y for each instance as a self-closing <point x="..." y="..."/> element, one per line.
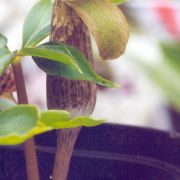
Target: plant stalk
<point x="78" y="97"/>
<point x="29" y="145"/>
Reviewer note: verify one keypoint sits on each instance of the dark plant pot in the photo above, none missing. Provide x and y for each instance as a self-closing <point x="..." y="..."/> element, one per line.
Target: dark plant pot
<point x="106" y="152"/>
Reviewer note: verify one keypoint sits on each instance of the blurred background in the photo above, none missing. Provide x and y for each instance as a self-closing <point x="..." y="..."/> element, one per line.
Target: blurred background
<point x="148" y="73"/>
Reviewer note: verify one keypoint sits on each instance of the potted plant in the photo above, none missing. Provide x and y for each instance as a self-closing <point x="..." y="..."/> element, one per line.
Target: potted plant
<point x="71" y="81"/>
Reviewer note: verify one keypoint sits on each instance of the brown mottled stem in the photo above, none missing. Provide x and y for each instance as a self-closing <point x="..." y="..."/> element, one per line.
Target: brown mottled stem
<point x="7" y="84"/>
<point x="78" y="97"/>
<point x="29" y="145"/>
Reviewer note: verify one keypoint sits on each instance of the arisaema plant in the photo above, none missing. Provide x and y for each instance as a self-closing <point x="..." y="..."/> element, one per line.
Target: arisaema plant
<point x="107" y="24"/>
<point x="68" y="62"/>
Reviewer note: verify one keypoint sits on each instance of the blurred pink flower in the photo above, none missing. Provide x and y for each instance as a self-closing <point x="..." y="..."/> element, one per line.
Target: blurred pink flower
<point x="169" y="16"/>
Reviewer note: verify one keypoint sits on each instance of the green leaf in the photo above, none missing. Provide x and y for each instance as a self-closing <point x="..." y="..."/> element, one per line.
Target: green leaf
<point x="37" y="23"/>
<point x="18" y="119"/>
<point x="3" y="41"/>
<point x="57" y="54"/>
<point x="58" y="69"/>
<point x="86" y="121"/>
<point x="106" y="23"/>
<point x="6" y="58"/>
<point x="19" y="123"/>
<point x="88" y="73"/>
<point x="53" y="119"/>
<point x="6" y="103"/>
